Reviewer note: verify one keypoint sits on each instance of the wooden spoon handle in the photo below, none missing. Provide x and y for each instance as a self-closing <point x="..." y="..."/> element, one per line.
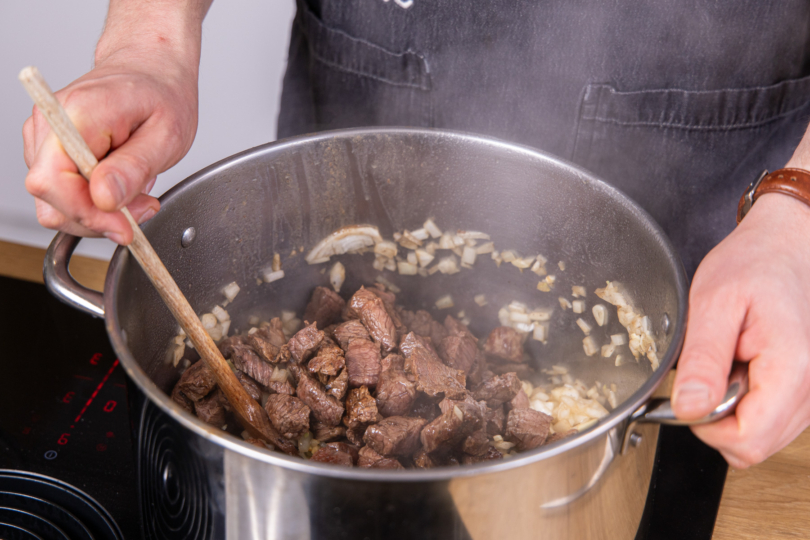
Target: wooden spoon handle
<point x="252" y="415"/>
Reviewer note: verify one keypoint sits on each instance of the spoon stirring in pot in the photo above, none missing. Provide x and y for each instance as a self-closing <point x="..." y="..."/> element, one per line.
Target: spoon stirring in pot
<point x="251" y="415"/>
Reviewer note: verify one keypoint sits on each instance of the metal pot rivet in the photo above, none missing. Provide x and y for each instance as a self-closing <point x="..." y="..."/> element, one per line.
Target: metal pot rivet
<point x="188" y="237"/>
<point x="665" y="323"/>
<point x="635" y="439"/>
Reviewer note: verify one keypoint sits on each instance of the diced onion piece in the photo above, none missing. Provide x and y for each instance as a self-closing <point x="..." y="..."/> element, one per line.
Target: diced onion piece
<point x="523" y="263"/>
<point x="608" y="350"/>
<point x="291" y="327"/>
<point x="420" y="234"/>
<point x="337" y="275"/>
<point x="386" y="248"/>
<point x="214" y="330"/>
<point x="411" y="258"/>
<point x="209" y="321"/>
<point x="344" y="240"/>
<point x="468" y="257"/>
<point x="446" y="241"/>
<point x="270" y="276"/>
<point x="253" y="320"/>
<point x="220" y="314"/>
<point x="433" y="269"/>
<point x="600" y="313"/>
<point x="461" y="314"/>
<point x="516" y="316"/>
<point x="390" y="286"/>
<point x="458" y="413"/>
<point x="621" y="360"/>
<point x="539" y="268"/>
<point x="448" y="265"/>
<point x="540" y="314"/>
<point x="618" y="339"/>
<point x="230" y="291"/>
<point x="508" y="255"/>
<point x="379" y="263"/>
<point x="409" y="241"/>
<point x="584" y="326"/>
<point x="483" y="249"/>
<point x="391" y="265"/>
<point x="543" y="286"/>
<point x="564" y="303"/>
<point x="422" y="272"/>
<point x="432" y="229"/>
<point x="517" y="306"/>
<point x="287" y="316"/>
<point x="432" y="247"/>
<point x="406" y="268"/>
<point x="585" y="425"/>
<point x="590" y="346"/>
<point x="612" y="294"/>
<point x="276" y="266"/>
<point x="423" y="257"/>
<point x="444" y="302"/>
<point x="480" y="299"/>
<point x="458" y="241"/>
<point x="561" y="265"/>
<point x="279" y="375"/>
<point x="578" y="291"/>
<point x="550" y="279"/>
<point x="225" y="326"/>
<point x="473" y="235"/>
<point x="458" y="251"/>
<point x="540" y="332"/>
<point x="579" y="306"/>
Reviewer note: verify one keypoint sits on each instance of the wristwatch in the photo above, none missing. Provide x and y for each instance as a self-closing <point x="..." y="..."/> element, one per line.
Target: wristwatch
<point x="793" y="182"/>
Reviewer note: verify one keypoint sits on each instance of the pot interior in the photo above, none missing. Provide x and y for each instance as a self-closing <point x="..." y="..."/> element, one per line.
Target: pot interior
<point x="285" y="197"/>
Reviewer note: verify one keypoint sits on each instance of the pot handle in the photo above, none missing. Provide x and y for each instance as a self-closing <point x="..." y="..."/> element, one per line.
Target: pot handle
<point x="61" y="284"/>
<point x="659" y="410"/>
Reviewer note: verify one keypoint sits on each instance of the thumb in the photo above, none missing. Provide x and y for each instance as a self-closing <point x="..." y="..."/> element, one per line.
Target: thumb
<point x="716" y="316"/>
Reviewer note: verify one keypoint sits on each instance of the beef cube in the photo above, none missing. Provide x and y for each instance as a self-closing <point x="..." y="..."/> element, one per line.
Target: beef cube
<point x="180" y="398"/>
<point x="350" y="449"/>
<point x="459" y="419"/>
<point x="554" y="437"/>
<point x="395" y="393"/>
<point x="288" y="414"/>
<point x="273" y="332"/>
<point x="477" y="373"/>
<point x="349" y="331"/>
<point x="325" y="433"/>
<point x="246" y="360"/>
<point x="328" y="361"/>
<point x="324" y="308"/>
<point x="336" y="455"/>
<point x="523" y="371"/>
<point x="363" y="363"/>
<point x="211" y="409"/>
<point x="355" y="434"/>
<point x="504" y="344"/>
<point x="375" y="317"/>
<point x="368" y="458"/>
<point x="325" y="407"/>
<point x="249" y="385"/>
<point x="337" y="386"/>
<point x="361" y="409"/>
<point x="280" y="387"/>
<point x="527" y="428"/>
<point x="490" y="455"/>
<point x="422" y="324"/>
<point x="392" y="361"/>
<point x="431" y="376"/>
<point x="197" y="381"/>
<point x="304" y="343"/>
<point x="459" y="351"/>
<point x="388" y="300"/>
<point x="263" y="347"/>
<point x="498" y="389"/>
<point x="453" y="326"/>
<point x="423" y="460"/>
<point x="495" y="419"/>
<point x="395" y="435"/>
<point x="476" y="444"/>
<point x="520" y="401"/>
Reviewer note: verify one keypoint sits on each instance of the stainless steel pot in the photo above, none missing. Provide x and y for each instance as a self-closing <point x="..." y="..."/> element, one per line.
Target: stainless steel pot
<point x="225" y="223"/>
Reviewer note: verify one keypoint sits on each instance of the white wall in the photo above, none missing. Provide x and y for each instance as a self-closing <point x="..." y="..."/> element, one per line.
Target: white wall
<point x="243" y="59"/>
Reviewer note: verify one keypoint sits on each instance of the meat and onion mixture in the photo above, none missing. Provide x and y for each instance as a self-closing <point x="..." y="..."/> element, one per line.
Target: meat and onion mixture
<point x="367" y="383"/>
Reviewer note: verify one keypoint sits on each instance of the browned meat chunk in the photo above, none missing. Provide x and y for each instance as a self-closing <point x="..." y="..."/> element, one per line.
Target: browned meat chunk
<point x="211" y="409"/>
<point x="523" y="371"/>
<point x="458" y="350"/>
<point x="263" y="347"/>
<point x="560" y="436"/>
<point x="288" y="414"/>
<point x="329" y="361"/>
<point x="324" y="308"/>
<point x="349" y="331"/>
<point x="181" y="399"/>
<point x="478" y="372"/>
<point x="273" y="332"/>
<point x="392" y="361"/>
<point x="370" y="459"/>
<point x="375" y="317"/>
<point x="527" y="428"/>
<point x="422" y="324"/>
<point x="355" y="434"/>
<point x="197" y="381"/>
<point x="422" y="460"/>
<point x="395" y="435"/>
<point x="395" y="393"/>
<point x="495" y="418"/>
<point x="431" y="376"/>
<point x="499" y="389"/>
<point x="324" y="406"/>
<point x="338" y="385"/>
<point x="249" y="385"/>
<point x="363" y="363"/>
<point x="491" y="454"/>
<point x="280" y="387"/>
<point x="304" y="343"/>
<point x="324" y="433"/>
<point x="459" y="419"/>
<point x="246" y="360"/>
<point x="361" y="409"/>
<point x="476" y="444"/>
<point x="520" y="401"/>
<point x="337" y="454"/>
<point x="425" y="407"/>
<point x="505" y="344"/>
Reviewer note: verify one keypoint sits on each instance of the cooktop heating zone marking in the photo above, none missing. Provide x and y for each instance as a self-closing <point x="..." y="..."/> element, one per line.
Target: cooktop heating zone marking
<point x="97" y="390"/>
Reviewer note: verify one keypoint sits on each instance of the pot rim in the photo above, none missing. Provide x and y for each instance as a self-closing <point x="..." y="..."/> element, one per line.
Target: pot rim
<point x="216" y="436"/>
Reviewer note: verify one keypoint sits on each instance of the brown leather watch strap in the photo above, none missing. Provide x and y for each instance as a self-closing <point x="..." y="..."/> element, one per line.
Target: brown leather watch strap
<point x="793" y="182"/>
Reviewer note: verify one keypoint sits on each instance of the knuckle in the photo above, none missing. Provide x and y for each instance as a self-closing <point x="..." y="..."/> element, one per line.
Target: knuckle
<point x="49" y="218"/>
<point x="37" y="184"/>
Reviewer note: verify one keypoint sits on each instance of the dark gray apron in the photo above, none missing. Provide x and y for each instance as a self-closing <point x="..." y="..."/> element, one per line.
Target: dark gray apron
<point x="677" y="103"/>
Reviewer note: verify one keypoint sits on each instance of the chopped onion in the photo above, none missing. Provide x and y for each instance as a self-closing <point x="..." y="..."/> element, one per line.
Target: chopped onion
<point x="448" y="265"/>
<point x="253" y="320"/>
<point x="621" y="360"/>
<point x="579" y="306"/>
<point x="253" y="330"/>
<point x="337" y="275"/>
<point x="590" y="346"/>
<point x="540" y="332"/>
<point x="409" y="241"/>
<point x="517" y="316"/>
<point x="386" y="248"/>
<point x="550" y="279"/>
<point x="561" y="265"/>
<point x="539" y="268"/>
<point x="612" y="294"/>
<point x="276" y="266"/>
<point x="543" y="286"/>
<point x="433" y="269"/>
<point x="270" y="277"/>
<point x="432" y="229"/>
<point x="391" y="265"/>
<point x="411" y="258"/>
<point x="618" y="339"/>
<point x="431" y="248"/>
<point x="230" y="291"/>
<point x="209" y="321"/>
<point x="279" y="375"/>
<point x="461" y="314"/>
<point x="446" y="241"/>
<point x="468" y="257"/>
<point x="480" y="299"/>
<point x="424" y="257"/>
<point x="564" y="303"/>
<point x="483" y="249"/>
<point x="584" y="326"/>
<point x="444" y="302"/>
<point x="578" y="291"/>
<point x="600" y="313"/>
<point x="508" y="256"/>
<point x="390" y="286"/>
<point x="420" y="234"/>
<point x="473" y="235"/>
<point x="220" y="314"/>
<point x="523" y="263"/>
<point x="379" y="263"/>
<point x="287" y="316"/>
<point x="608" y="350"/>
<point x="225" y="326"/>
<point x="458" y="413"/>
<point x="344" y="240"/>
<point x="406" y="268"/>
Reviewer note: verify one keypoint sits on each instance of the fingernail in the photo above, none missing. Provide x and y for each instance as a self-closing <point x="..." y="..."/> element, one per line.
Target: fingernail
<point x="115" y="184"/>
<point x="115" y="237"/>
<point x="146" y="216"/>
<point x="692" y="397"/>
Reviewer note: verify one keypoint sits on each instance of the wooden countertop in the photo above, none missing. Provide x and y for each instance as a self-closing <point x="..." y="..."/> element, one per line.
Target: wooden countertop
<point x="770" y="501"/>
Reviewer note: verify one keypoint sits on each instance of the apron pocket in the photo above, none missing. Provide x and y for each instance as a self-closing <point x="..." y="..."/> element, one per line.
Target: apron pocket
<point x="686" y="156"/>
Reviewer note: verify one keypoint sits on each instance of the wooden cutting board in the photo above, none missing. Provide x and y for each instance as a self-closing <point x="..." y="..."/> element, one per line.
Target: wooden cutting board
<point x="770" y="501"/>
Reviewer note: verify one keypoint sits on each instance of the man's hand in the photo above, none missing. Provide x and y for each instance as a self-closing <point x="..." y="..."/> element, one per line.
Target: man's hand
<point x="137" y="107"/>
<point x="750" y="300"/>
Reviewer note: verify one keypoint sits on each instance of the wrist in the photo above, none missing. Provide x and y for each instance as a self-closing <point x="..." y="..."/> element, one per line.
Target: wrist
<point x="784" y="207"/>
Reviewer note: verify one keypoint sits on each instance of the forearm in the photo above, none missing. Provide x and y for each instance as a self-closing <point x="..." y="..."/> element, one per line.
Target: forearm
<point x="801" y="156"/>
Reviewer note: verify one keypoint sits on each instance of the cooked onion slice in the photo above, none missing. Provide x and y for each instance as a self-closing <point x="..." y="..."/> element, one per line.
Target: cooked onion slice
<point x="584" y="326"/>
<point x="432" y="229"/>
<point x="590" y="346"/>
<point x="230" y="291"/>
<point x="600" y="313"/>
<point x="480" y="299"/>
<point x="386" y="248"/>
<point x="344" y="240"/>
<point x="578" y="291"/>
<point x="270" y="276"/>
<point x="579" y="306"/>
<point x="337" y="275"/>
<point x="444" y="302"/>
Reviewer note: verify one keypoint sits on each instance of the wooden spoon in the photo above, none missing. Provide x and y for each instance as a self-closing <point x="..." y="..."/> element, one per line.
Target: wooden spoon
<point x="252" y="416"/>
